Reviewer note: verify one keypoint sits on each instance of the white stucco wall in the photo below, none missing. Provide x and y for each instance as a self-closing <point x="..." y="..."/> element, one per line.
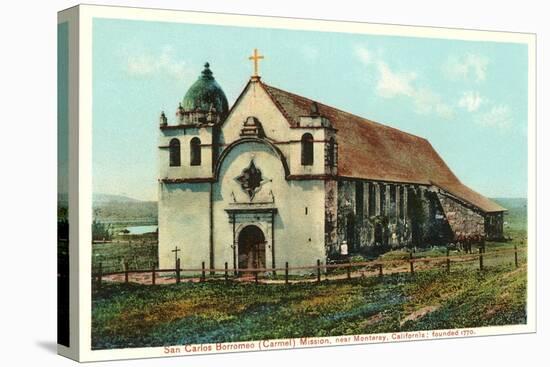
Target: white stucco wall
<point x="295" y="150"/>
<point x="256" y="102"/>
<point x="184" y="222"/>
<point x="299" y="237"/>
<point x="185" y="136"/>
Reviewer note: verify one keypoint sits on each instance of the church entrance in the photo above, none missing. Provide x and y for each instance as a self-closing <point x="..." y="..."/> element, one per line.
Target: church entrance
<point x="251" y="244"/>
<point x="378" y="234"/>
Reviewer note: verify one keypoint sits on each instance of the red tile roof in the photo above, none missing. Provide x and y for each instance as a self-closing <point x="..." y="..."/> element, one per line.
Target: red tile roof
<point x="370" y="150"/>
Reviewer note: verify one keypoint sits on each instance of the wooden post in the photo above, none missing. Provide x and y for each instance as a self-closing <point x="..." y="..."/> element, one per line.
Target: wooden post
<point x="515" y="255"/>
<point x="318" y="271"/>
<point x="286" y="273"/>
<point x="448" y="262"/>
<point x="126" y="272"/>
<point x="380" y="273"/>
<point x="226" y="274"/>
<point x="100" y="274"/>
<point x="349" y="270"/>
<point x="153" y="275"/>
<point x="178" y="269"/>
<point x="175" y="251"/>
<point x="480" y="258"/>
<point x="411" y="262"/>
<point x="256" y="276"/>
<point x="203" y="274"/>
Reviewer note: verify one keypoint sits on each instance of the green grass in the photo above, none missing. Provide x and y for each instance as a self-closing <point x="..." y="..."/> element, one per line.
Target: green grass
<point x="140" y="254"/>
<point x="131" y="315"/>
<point x="515" y="219"/>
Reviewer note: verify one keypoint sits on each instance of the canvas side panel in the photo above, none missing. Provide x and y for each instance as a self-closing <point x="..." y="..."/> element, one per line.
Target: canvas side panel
<point x="63" y="293"/>
<point x="67" y="183"/>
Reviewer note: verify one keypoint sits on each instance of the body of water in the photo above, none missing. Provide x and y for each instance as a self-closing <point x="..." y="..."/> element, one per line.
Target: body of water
<point x="142" y="229"/>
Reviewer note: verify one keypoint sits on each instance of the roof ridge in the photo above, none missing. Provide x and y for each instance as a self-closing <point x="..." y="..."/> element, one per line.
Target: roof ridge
<point x="334" y="108"/>
<point x="279" y="106"/>
<point x="445" y="186"/>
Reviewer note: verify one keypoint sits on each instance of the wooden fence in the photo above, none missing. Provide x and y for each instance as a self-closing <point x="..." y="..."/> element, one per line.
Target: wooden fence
<point x="376" y="266"/>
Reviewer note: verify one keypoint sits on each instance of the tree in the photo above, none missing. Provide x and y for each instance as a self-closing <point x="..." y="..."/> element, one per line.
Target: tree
<point x="101" y="231"/>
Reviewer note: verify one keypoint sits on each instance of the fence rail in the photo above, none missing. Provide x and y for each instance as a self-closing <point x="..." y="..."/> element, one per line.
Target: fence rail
<point x="376" y="265"/>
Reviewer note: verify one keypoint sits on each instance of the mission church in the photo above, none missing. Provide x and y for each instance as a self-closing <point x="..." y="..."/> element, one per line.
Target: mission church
<point x="281" y="178"/>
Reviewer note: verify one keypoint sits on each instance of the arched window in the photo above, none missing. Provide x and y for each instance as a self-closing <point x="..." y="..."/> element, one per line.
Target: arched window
<point x="175" y="150"/>
<point x="195" y="152"/>
<point x="331" y="152"/>
<point x="307" y="149"/>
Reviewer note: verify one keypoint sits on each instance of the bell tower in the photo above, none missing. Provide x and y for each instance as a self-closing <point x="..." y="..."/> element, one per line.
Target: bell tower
<point x="188" y="147"/>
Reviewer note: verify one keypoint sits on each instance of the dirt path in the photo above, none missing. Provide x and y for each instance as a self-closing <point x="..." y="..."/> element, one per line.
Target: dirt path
<point x="418" y="314"/>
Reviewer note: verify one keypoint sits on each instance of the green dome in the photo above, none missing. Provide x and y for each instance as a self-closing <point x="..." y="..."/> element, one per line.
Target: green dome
<point x="204" y="93"/>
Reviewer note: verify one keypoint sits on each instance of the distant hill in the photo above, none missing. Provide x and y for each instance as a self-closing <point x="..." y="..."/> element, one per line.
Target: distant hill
<point x="110" y="198"/>
<point x="110" y="208"/>
<point x="98" y="198"/>
<point x="516" y="217"/>
<point x="512" y="203"/>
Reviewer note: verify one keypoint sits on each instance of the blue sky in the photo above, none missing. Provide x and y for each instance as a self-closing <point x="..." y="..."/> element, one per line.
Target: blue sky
<point x="469" y="99"/>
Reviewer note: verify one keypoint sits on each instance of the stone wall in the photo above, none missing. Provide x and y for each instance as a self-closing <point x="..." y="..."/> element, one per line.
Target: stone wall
<point x="426" y="217"/>
<point x="331" y="216"/>
<point x="462" y="219"/>
<point x="373" y="219"/>
<point x="346" y="210"/>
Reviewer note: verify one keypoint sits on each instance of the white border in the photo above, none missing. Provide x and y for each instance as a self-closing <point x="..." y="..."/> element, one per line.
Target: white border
<point x="87" y="12"/>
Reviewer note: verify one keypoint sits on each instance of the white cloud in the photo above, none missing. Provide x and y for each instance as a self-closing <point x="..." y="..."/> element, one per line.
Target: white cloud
<point x="403" y="83"/>
<point x="164" y="63"/>
<point x="394" y="83"/>
<point x="470" y="101"/>
<point x="311" y="53"/>
<point x="444" y="110"/>
<point x="498" y="117"/>
<point x="391" y="84"/>
<point x="364" y="54"/>
<point x="427" y="101"/>
<point x="466" y="67"/>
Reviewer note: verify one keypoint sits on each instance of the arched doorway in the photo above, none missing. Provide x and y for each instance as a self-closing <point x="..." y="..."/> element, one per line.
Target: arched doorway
<point x="251" y="244"/>
<point x="350" y="231"/>
<point x="378" y="234"/>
